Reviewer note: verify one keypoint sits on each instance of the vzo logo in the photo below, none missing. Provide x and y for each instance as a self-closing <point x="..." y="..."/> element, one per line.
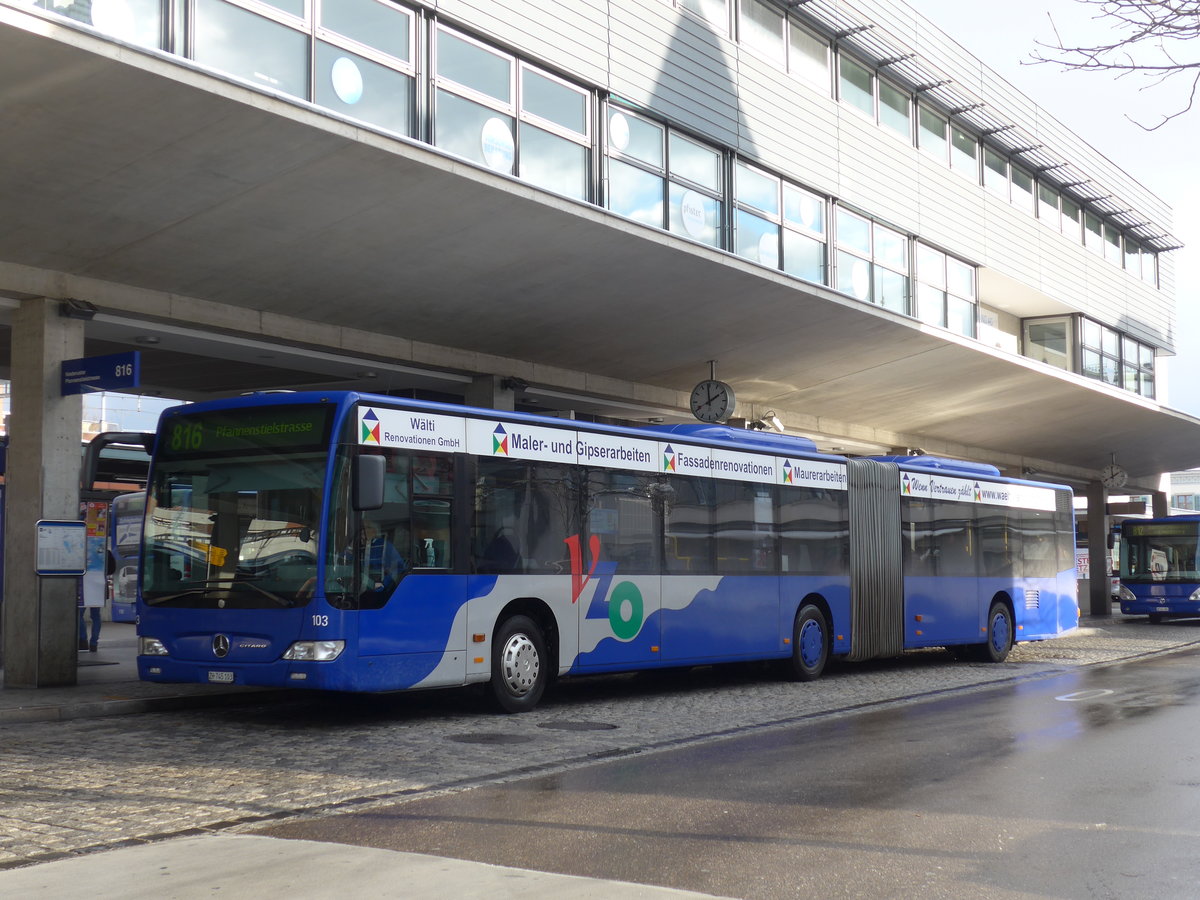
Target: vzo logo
<point x="625" y="610"/>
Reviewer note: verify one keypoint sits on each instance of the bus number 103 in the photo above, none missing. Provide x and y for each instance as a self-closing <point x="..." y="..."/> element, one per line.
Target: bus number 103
<point x="187" y="437"/>
<point x="321" y="621"/>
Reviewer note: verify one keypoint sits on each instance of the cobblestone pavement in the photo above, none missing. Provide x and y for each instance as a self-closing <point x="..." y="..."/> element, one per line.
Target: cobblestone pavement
<point x="86" y="784"/>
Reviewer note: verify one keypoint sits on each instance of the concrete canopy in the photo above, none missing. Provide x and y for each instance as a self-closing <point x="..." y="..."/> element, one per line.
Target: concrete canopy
<point x="129" y="168"/>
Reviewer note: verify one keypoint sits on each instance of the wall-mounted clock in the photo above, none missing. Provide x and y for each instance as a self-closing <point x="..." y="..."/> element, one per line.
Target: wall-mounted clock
<point x="1113" y="476"/>
<point x="713" y="401"/>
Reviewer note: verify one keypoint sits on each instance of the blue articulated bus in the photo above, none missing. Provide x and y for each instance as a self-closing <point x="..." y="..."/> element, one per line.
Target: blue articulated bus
<point x="1160" y="567"/>
<point x="352" y="542"/>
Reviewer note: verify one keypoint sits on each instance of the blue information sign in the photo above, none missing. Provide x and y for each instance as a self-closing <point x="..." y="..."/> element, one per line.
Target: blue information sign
<point x="115" y="372"/>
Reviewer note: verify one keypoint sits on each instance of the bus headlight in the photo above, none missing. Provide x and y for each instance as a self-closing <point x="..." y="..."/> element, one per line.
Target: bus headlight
<point x="1195" y="597"/>
<point x="148" y="646"/>
<point x="315" y="651"/>
<point x="1125" y="595"/>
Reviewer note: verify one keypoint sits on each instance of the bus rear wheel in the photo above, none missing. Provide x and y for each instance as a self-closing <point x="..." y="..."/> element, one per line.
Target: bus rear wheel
<point x="999" y="634"/>
<point x="519" y="665"/>
<point x="810" y="644"/>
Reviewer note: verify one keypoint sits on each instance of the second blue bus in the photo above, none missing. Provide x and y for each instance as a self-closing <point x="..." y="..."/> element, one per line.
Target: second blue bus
<point x="1160" y="567"/>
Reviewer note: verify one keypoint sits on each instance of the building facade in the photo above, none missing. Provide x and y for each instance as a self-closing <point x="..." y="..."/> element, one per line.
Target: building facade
<point x="846" y="144"/>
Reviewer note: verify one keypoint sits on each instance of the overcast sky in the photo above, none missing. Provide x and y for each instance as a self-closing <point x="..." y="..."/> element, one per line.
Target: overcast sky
<point x="1097" y="108"/>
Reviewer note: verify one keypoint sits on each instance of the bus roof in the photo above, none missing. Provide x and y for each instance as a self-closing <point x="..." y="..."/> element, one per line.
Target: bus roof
<point x="961" y="466"/>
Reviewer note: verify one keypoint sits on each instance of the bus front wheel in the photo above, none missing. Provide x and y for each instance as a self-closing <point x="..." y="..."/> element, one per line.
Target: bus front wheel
<point x="519" y="665"/>
<point x="999" y="634"/>
<point x="810" y="644"/>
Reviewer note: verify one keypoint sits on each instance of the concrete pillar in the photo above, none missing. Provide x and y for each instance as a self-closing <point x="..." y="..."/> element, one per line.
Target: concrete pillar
<point x="490" y="392"/>
<point x="1099" y="593"/>
<point x="40" y="618"/>
<point x="1160" y="505"/>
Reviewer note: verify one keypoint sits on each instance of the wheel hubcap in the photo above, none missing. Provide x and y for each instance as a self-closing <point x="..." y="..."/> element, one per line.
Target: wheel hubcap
<point x="812" y="643"/>
<point x="521" y="664"/>
<point x="1000" y="632"/>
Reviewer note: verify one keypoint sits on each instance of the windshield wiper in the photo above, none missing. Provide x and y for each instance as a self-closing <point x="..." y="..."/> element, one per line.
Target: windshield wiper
<point x="282" y="601"/>
<point x="218" y="585"/>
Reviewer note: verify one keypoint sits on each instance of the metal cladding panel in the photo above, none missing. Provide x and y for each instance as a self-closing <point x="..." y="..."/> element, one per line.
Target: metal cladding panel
<point x="876" y="581"/>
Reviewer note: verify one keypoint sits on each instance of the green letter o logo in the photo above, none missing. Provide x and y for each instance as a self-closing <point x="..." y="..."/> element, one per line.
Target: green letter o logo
<point x="625" y="626"/>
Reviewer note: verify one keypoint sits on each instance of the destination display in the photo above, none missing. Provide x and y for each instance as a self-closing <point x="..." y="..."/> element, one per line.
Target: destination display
<point x="1160" y="529"/>
<point x="251" y="429"/>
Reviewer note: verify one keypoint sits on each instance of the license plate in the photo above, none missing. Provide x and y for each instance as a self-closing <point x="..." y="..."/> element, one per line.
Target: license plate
<point x="220" y="677"/>
<point x="1162" y="609"/>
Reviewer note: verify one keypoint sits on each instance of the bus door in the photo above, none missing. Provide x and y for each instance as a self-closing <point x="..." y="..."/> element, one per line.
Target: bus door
<point x="402" y="555"/>
<point x="615" y="570"/>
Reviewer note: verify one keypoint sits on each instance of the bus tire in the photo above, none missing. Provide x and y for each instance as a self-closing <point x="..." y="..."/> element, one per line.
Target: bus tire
<point x="520" y="669"/>
<point x="810" y="644"/>
<point x="999" y="634"/>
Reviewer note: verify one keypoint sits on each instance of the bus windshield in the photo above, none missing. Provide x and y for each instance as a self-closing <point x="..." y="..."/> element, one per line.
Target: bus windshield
<point x="233" y="510"/>
<point x="1160" y="552"/>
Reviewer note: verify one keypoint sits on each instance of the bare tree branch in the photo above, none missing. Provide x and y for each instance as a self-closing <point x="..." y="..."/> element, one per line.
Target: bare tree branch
<point x="1151" y="38"/>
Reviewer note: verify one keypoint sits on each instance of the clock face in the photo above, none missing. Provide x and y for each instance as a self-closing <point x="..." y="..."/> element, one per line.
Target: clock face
<point x="1113" y="476"/>
<point x="712" y="401"/>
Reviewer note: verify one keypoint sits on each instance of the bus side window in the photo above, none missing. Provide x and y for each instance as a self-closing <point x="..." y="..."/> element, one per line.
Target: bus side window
<point x="432" y="489"/>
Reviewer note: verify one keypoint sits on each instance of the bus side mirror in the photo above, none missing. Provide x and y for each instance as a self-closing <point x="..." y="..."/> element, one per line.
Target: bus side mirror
<point x="366" y="482"/>
<point x="1112" y="540"/>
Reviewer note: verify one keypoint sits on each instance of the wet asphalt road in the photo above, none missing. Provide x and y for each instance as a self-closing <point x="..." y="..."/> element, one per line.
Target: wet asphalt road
<point x="1083" y="785"/>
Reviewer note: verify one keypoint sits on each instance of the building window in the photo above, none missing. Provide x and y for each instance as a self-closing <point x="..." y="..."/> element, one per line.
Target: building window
<point x="1093" y="233"/>
<point x="808" y="56"/>
<point x="761" y="28"/>
<point x="894" y="110"/>
<point x="856" y="85"/>
<point x="778" y="224"/>
<point x="1137" y="367"/>
<point x="964" y="153"/>
<point x="1071" y="218"/>
<point x="665" y="179"/>
<point x="383" y="27"/>
<point x="1133" y="258"/>
<point x="995" y="172"/>
<point x="1100" y="352"/>
<point x="363" y="63"/>
<point x="1051" y="341"/>
<point x="756" y="227"/>
<point x="1022" y="190"/>
<point x="872" y="262"/>
<point x="1048" y="210"/>
<point x="510" y="117"/>
<point x="360" y="53"/>
<point x="931" y="133"/>
<point x="136" y="21"/>
<point x="554" y="141"/>
<point x="804" y="242"/>
<point x="473" y="116"/>
<point x="945" y="291"/>
<point x="262" y="51"/>
<point x="1112" y="245"/>
<point x="1093" y="350"/>
<point x="1149" y="267"/>
<point x="715" y="12"/>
